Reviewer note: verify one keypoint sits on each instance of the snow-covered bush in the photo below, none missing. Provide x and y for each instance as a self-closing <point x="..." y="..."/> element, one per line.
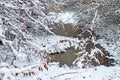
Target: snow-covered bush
<point x="17" y="17"/>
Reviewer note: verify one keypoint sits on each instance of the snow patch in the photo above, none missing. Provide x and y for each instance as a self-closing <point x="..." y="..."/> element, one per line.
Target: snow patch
<point x="64" y="17"/>
<point x="55" y="43"/>
<point x="1" y="27"/>
<point x="64" y="73"/>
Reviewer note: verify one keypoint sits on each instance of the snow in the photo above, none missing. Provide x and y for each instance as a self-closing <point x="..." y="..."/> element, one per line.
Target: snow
<point x="1" y="27"/>
<point x="110" y="40"/>
<point x="101" y="73"/>
<point x="55" y="43"/>
<point x="65" y="73"/>
<point x="113" y="49"/>
<point x="52" y="44"/>
<point x="117" y="11"/>
<point x="55" y="72"/>
<point x="64" y="17"/>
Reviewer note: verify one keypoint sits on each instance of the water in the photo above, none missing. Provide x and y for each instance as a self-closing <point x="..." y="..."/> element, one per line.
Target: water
<point x="69" y="56"/>
<point x="65" y="57"/>
<point x="73" y="31"/>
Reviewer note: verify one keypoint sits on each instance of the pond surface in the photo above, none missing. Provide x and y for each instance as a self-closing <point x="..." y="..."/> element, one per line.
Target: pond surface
<point x="66" y="57"/>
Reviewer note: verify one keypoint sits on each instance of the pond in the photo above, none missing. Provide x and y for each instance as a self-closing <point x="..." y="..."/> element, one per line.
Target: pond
<point x="70" y="56"/>
<point x="65" y="57"/>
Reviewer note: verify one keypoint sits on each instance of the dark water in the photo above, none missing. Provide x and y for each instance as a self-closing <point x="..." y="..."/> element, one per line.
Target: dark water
<point x="66" y="57"/>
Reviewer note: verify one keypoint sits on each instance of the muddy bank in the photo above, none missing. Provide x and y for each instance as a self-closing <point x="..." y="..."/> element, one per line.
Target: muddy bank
<point x="77" y="32"/>
<point x="66" y="30"/>
<point x="70" y="56"/>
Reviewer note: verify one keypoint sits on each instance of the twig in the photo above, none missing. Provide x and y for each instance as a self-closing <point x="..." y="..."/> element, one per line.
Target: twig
<point x="65" y="74"/>
<point x="93" y="21"/>
<point x="46" y="27"/>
